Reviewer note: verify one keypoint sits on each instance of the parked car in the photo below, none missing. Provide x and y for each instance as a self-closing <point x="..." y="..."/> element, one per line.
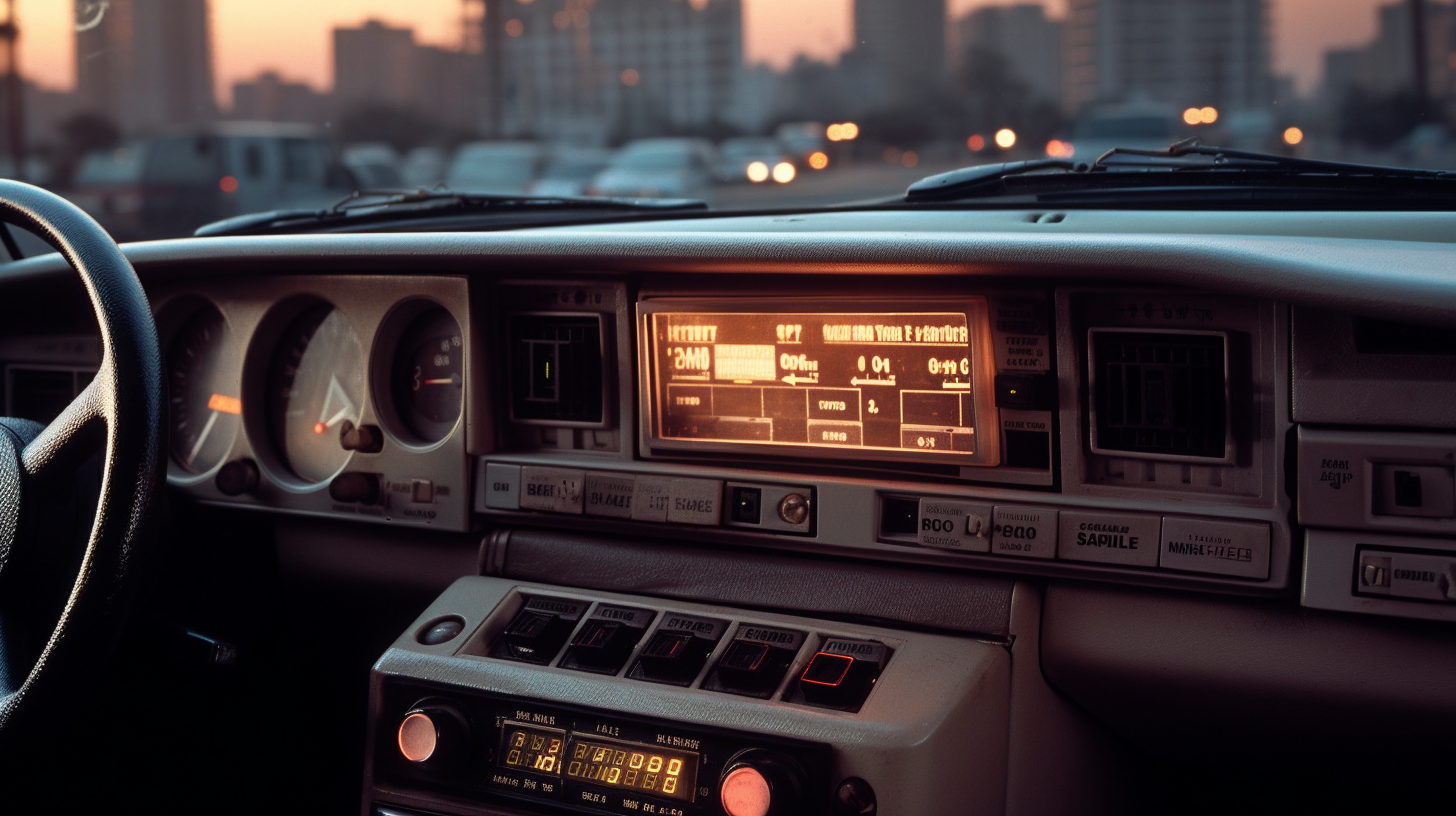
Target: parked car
<point x="375" y="165"/>
<point x="496" y="167"/>
<point x="170" y="184"/>
<point x="571" y="171"/>
<point x="1139" y="127"/>
<point x="424" y="167"/>
<point x="658" y="168"/>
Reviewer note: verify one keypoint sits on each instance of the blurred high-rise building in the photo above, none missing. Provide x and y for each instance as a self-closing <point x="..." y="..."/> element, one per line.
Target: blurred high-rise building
<point x="902" y="42"/>
<point x="378" y="64"/>
<point x="1022" y="36"/>
<point x="1386" y="64"/>
<point x="1180" y="53"/>
<point x="147" y="64"/>
<point x="271" y="98"/>
<point x="587" y="70"/>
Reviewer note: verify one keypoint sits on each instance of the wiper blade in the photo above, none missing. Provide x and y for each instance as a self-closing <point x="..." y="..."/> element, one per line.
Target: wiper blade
<point x="378" y="206"/>
<point x="1186" y="164"/>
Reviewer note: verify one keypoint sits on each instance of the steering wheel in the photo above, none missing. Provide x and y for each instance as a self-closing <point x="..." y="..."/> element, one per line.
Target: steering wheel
<point x="118" y="414"/>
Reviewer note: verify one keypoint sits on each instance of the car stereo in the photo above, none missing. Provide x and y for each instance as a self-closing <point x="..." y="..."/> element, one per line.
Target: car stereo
<point x="885" y="380"/>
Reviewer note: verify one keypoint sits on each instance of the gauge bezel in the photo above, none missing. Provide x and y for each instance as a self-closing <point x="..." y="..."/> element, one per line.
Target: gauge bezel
<point x="170" y="318"/>
<point x="257" y="370"/>
<point x="386" y="349"/>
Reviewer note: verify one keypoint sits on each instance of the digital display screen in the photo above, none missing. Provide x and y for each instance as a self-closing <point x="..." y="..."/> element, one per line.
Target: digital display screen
<point x="632" y="766"/>
<point x="530" y="748"/>
<point x="901" y="381"/>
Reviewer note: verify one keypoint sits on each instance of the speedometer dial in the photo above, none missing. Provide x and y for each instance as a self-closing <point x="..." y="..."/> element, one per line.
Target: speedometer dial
<point x="204" y="408"/>
<point x="315" y="392"/>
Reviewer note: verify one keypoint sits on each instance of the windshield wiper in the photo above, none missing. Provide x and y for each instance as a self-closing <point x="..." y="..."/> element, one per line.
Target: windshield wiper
<point x="385" y="209"/>
<point x="1183" y="166"/>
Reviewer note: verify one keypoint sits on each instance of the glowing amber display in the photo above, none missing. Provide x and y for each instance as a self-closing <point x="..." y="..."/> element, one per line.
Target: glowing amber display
<point x="633" y="766"/>
<point x="529" y="748"/>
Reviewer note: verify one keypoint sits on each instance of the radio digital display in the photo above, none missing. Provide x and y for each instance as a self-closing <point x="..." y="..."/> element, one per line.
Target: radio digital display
<point x="631" y="766"/>
<point x="873" y="381"/>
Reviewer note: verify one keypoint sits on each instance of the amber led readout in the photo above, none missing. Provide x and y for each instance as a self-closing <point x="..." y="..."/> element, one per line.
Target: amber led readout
<point x="886" y="381"/>
<point x="528" y="748"/>
<point x="632" y="766"/>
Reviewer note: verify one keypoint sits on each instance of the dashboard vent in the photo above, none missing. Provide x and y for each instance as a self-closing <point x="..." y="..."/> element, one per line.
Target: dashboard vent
<point x="1160" y="393"/>
<point x="556" y="369"/>
<point x="41" y="393"/>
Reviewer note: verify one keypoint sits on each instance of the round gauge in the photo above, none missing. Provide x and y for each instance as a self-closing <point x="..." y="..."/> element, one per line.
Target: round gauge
<point x="315" y="390"/>
<point x="202" y="385"/>
<point x="426" y="377"/>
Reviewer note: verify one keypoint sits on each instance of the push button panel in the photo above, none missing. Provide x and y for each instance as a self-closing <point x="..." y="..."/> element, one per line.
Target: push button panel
<point x="607" y="639"/>
<point x="841" y="674"/>
<point x="755" y="661"/>
<point x="678" y="650"/>
<point x="537" y="632"/>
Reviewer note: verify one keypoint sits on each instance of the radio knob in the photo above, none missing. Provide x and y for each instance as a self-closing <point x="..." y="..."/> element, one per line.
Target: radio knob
<point x="761" y="783"/>
<point x="433" y="734"/>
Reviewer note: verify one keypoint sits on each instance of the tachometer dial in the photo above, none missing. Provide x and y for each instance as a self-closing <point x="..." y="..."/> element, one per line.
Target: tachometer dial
<point x="315" y="392"/>
<point x="202" y="383"/>
<point x="426" y="378"/>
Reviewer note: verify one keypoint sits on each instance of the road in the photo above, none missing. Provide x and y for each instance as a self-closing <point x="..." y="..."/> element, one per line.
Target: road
<point x="836" y="185"/>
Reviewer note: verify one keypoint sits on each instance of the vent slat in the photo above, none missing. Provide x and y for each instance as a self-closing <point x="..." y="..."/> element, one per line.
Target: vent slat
<point x="1157" y="393"/>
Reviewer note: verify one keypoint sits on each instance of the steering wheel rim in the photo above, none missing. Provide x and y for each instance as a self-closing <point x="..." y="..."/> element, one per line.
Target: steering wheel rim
<point x="119" y="412"/>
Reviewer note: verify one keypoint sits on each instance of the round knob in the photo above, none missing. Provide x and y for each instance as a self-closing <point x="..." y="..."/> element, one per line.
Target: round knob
<point x="237" y="477"/>
<point x="761" y="783"/>
<point x="433" y="734"/>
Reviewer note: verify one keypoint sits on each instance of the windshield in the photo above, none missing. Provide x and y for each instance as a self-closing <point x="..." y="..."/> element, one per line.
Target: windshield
<point x="258" y="105"/>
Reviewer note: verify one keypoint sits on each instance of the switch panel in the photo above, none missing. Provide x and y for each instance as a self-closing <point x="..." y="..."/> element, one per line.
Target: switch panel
<point x="538" y="630"/>
<point x="676" y="652"/>
<point x="755" y="661"/>
<point x="607" y="639"/>
<point x="1415" y="490"/>
<point x="841" y="674"/>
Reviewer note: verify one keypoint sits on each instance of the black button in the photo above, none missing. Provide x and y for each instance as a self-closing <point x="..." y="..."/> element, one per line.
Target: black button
<point x="749" y="668"/>
<point x="841" y="674"/>
<point x="606" y="640"/>
<point x="744" y="505"/>
<point x="538" y="630"/>
<point x="672" y="657"/>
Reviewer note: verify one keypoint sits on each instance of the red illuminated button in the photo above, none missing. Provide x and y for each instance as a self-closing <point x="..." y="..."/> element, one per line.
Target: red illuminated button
<point x="418" y="737"/>
<point x="827" y="670"/>
<point x="433" y="734"/>
<point x="841" y="674"/>
<point x="745" y="792"/>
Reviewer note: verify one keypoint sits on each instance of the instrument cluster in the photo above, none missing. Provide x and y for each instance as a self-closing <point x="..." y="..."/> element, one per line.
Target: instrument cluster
<point x="324" y="396"/>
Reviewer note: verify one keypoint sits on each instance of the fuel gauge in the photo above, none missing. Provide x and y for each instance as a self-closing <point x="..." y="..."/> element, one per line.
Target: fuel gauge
<point x="427" y="381"/>
<point x="204" y="409"/>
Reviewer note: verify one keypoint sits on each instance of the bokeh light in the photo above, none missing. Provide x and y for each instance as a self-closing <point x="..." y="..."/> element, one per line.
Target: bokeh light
<point x="977" y="142"/>
<point x="910" y="158"/>
<point x="757" y="172"/>
<point x="835" y="133"/>
<point x="1208" y="115"/>
<point x="849" y="131"/>
<point x="630" y="77"/>
<point x="515" y="28"/>
<point x="818" y="160"/>
<point x="1293" y="136"/>
<point x="784" y="172"/>
<point x="1058" y="149"/>
<point x="1005" y="138"/>
<point x="1192" y="116"/>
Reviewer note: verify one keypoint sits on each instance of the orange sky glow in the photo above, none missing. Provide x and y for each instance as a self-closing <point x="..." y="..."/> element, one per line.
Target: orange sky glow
<point x="292" y="36"/>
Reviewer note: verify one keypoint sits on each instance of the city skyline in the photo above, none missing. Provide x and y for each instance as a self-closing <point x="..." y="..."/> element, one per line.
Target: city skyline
<point x="248" y="38"/>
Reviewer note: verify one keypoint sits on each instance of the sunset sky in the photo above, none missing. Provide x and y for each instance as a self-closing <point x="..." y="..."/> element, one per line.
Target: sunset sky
<point x="292" y="36"/>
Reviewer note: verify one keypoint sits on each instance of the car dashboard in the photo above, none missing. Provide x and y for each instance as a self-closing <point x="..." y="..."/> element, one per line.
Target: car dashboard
<point x="833" y="513"/>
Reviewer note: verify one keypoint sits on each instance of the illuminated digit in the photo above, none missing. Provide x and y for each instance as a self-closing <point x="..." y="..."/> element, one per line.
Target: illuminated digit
<point x="861" y="362"/>
<point x="674" y="767"/>
<point x="649" y="781"/>
<point x="613" y="776"/>
<point x="965" y="366"/>
<point x="637" y="760"/>
<point x="580" y="752"/>
<point x="654" y="765"/>
<point x="599" y="754"/>
<point x="513" y="758"/>
<point x="574" y="769"/>
<point x="538" y="742"/>
<point x="519" y="739"/>
<point x="631" y="778"/>
<point x="555" y="747"/>
<point x="669" y="784"/>
<point x="619" y="757"/>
